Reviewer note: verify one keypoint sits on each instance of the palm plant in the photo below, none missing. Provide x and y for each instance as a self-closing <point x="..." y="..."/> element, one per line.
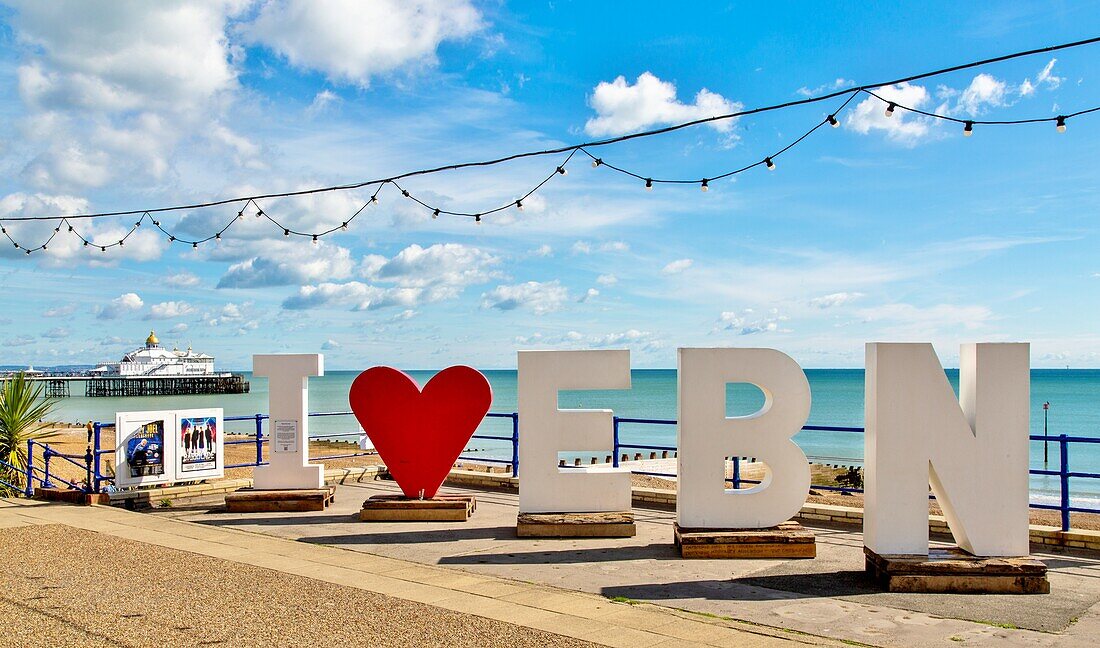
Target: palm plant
<point x="23" y="411"/>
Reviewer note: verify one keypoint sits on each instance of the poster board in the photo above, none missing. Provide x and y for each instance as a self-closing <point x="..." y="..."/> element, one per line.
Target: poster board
<point x="200" y="453"/>
<point x="162" y="447"/>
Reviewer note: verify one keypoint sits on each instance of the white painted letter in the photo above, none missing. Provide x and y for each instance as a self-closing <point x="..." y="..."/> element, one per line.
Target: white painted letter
<point x="545" y="430"/>
<point x="975" y="456"/>
<point x="288" y="405"/>
<point x="705" y="436"/>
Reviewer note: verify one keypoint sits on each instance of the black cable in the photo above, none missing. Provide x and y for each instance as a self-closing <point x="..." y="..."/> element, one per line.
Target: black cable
<point x="575" y="147"/>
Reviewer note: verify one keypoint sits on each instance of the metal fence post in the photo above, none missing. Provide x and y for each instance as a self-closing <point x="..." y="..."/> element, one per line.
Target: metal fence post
<point x="1063" y="479"/>
<point x="97" y="474"/>
<point x="515" y="444"/>
<point x="46" y="467"/>
<point x="259" y="439"/>
<point x="615" y="441"/>
<point x="736" y="473"/>
<point x="29" y="488"/>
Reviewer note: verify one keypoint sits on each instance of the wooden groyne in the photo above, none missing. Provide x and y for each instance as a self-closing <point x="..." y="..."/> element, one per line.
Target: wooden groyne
<point x="167" y="386"/>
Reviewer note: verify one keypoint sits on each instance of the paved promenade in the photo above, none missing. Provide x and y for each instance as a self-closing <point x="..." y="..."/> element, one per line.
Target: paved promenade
<point x="828" y="596"/>
<point x="93" y="576"/>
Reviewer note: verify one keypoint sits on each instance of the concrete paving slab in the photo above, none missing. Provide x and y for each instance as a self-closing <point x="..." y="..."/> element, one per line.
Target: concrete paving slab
<point x="827" y="596"/>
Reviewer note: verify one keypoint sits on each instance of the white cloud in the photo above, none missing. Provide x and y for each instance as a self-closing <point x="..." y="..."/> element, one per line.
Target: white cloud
<point x="983" y="90"/>
<point x="60" y="311"/>
<point x="111" y="88"/>
<point x="903" y="127"/>
<point x="624" y="108"/>
<point x="56" y="333"/>
<point x="169" y="310"/>
<point x="540" y="297"/>
<point x="589" y="294"/>
<point x="837" y="84"/>
<point x="587" y="247"/>
<point x="939" y="316"/>
<point x="542" y="251"/>
<point x="643" y="340"/>
<point x="321" y="102"/>
<point x="1045" y="77"/>
<point x="748" y="322"/>
<point x="294" y="263"/>
<point x="607" y="280"/>
<point x="835" y="299"/>
<point x="417" y="276"/>
<point x="121" y="305"/>
<point x="351" y="41"/>
<point x="330" y="344"/>
<point x="182" y="279"/>
<point x="677" y="266"/>
<point x="179" y="328"/>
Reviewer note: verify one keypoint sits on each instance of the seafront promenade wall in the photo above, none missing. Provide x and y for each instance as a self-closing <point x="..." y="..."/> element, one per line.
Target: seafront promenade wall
<point x="1040" y="536"/>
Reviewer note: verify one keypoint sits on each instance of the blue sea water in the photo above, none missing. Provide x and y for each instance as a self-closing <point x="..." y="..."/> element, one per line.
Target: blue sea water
<point x="1074" y="397"/>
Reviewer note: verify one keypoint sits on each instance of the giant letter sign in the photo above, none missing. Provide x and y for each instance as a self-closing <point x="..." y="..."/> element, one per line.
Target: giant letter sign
<point x="975" y="456"/>
<point x="705" y="436"/>
<point x="288" y="403"/>
<point x="545" y="430"/>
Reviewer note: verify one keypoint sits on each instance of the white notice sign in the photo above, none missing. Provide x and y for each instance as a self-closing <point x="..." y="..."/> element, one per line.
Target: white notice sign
<point x="286" y="436"/>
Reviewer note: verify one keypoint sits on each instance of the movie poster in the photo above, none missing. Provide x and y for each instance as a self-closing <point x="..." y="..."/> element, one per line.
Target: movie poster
<point x="145" y="450"/>
<point x="198" y="447"/>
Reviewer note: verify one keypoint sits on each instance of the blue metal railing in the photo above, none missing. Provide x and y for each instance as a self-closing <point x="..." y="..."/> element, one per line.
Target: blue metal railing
<point x="95" y="479"/>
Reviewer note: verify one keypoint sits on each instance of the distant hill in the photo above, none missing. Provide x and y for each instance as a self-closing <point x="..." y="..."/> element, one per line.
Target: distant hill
<point x="58" y="368"/>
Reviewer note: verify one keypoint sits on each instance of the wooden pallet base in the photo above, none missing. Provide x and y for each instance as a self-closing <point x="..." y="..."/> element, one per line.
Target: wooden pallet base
<point x="954" y="571"/>
<point x="247" y="500"/>
<point x="70" y="496"/>
<point x="787" y="540"/>
<point x="398" y="508"/>
<point x="618" y="524"/>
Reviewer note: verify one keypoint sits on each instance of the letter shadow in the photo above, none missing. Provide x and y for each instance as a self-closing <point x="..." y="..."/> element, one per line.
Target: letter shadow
<point x="655" y="551"/>
<point x="753" y="588"/>
<point x="412" y="537"/>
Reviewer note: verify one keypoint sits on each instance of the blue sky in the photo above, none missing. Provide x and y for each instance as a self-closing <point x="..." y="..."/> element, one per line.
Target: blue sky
<point x="884" y="229"/>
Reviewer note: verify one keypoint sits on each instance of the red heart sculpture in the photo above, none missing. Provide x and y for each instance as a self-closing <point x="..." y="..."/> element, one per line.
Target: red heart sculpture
<point x="420" y="433"/>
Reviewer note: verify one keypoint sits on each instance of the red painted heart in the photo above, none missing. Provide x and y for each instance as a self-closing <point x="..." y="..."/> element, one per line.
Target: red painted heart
<point x="420" y="433"/>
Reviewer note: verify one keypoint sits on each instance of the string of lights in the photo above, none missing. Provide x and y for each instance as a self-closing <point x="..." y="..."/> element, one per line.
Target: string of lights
<point x="560" y="170"/>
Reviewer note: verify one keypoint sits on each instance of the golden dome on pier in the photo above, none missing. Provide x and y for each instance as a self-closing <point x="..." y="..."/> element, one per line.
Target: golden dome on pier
<point x="152" y="340"/>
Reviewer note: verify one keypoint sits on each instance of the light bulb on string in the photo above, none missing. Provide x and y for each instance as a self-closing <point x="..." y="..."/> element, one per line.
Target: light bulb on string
<point x="405" y="193"/>
<point x="315" y="243"/>
<point x="344" y="227"/>
<point x="597" y="162"/>
<point x="1060" y="126"/>
<point x="435" y="213"/>
<point x="43" y="247"/>
<point x="57" y="229"/>
<point x="218" y="239"/>
<point x="103" y="248"/>
<point x="648" y="184"/>
<point x="70" y="228"/>
<point x="768" y="163"/>
<point x="28" y="251"/>
<point x="240" y="215"/>
<point x="121" y="242"/>
<point x="519" y="205"/>
<point x="968" y="128"/>
<point x="562" y="170"/>
<point x="890" y="109"/>
<point x="832" y="121"/>
<point x="259" y="213"/>
<point x="477" y="219"/>
<point x="171" y="239"/>
<point x="85" y="244"/>
<point x="286" y="232"/>
<point x="704" y="186"/>
<point x="137" y="224"/>
<point x="194" y="245"/>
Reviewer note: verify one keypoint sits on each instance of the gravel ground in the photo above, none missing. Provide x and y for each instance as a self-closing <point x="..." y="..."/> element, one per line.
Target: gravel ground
<point x="68" y="587"/>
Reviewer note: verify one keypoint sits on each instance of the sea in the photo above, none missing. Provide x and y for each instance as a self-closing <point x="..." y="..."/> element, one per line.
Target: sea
<point x="1073" y="394"/>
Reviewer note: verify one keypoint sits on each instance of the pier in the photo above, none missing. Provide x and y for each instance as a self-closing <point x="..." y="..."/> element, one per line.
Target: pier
<point x="165" y="386"/>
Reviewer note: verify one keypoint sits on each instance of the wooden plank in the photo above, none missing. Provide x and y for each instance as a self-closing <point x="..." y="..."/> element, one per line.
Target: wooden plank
<point x="396" y="508"/>
<point x="247" y="500"/>
<point x="618" y="524"/>
<point x="954" y="571"/>
<point x="787" y="540"/>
